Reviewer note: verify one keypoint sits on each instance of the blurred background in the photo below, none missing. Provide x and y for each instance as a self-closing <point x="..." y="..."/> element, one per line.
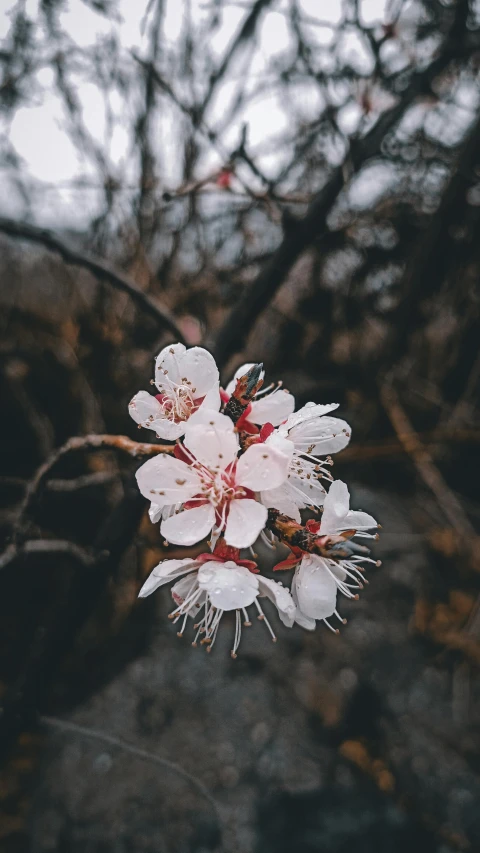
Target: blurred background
<point x="289" y="181"/>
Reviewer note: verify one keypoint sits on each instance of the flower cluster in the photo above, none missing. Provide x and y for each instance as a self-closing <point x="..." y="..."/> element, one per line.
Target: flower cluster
<point x="244" y="466"/>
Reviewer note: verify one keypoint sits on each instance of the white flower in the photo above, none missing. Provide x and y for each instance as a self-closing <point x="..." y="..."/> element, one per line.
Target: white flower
<point x="311" y="432"/>
<point x="271" y="405"/>
<point x="186" y="380"/>
<point x="317" y="579"/>
<point x="209" y="588"/>
<point x="216" y="490"/>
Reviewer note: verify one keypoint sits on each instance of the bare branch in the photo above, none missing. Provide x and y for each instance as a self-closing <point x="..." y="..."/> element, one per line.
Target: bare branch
<point x="49" y="547"/>
<point x="25" y="231"/>
<point x="143" y="754"/>
<point x="301" y="233"/>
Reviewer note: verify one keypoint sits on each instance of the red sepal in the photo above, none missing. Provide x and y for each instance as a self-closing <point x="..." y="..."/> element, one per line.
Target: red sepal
<point x="266" y="431"/>
<point x="312" y="525"/>
<point x="289" y="563"/>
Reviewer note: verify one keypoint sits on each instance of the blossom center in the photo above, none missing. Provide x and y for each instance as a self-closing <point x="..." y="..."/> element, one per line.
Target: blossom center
<point x="179" y="402"/>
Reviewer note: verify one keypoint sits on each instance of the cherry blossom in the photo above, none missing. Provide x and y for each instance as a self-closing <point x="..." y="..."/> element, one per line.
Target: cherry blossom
<point x="272" y="405"/>
<point x="318" y="579"/>
<point x="211" y="486"/>
<point x="206" y="588"/>
<point x="186" y="381"/>
<point x="311" y="432"/>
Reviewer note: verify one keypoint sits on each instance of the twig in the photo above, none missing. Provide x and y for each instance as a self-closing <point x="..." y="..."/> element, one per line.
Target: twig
<point x="424" y="464"/>
<point x="303" y="232"/>
<point x="85" y="481"/>
<point x="393" y="447"/>
<point x="149" y="756"/>
<point x="86" y="442"/>
<point x="47" y="546"/>
<point x="25" y="231"/>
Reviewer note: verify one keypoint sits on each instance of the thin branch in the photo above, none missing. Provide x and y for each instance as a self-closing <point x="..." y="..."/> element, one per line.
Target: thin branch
<point x="47" y="546"/>
<point x="300" y="234"/>
<point x="85" y="481"/>
<point x="86" y="442"/>
<point x="425" y="466"/>
<point x="143" y="754"/>
<point x="25" y="231"/>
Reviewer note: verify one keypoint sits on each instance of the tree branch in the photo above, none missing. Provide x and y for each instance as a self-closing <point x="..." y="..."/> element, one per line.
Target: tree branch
<point x="302" y="233"/>
<point x="86" y="442"/>
<point x="25" y="231"/>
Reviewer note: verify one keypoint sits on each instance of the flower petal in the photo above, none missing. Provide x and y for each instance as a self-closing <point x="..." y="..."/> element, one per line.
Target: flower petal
<point x="280" y="442"/>
<point x="321" y="436"/>
<point x="227" y="585"/>
<point x="359" y="520"/>
<point x="335" y="508"/>
<point x="144" y="408"/>
<point x="198" y="367"/>
<point x="279" y="594"/>
<point x="190" y="526"/>
<point x="165" y="572"/>
<point x="262" y="467"/>
<point x="166" y="480"/>
<point x="315" y="587"/>
<point x="212" y="399"/>
<point x="281" y="499"/>
<point x="246" y="518"/>
<point x="300" y="618"/>
<point x="155" y="512"/>
<point x="273" y="408"/>
<point x="167" y="371"/>
<point x="182" y="589"/>
<point x="309" y="410"/>
<point x="305" y="490"/>
<point x="211" y="438"/>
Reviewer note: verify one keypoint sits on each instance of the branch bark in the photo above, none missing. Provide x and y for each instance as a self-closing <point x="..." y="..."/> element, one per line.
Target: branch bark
<point x="302" y="233"/>
<point x="25" y="231"/>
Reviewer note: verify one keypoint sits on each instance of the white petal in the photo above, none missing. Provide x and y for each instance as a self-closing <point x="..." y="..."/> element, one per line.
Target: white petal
<point x="272" y="408"/>
<point x="281" y="499"/>
<point x="305" y="490"/>
<point x="165" y="572"/>
<point x="262" y="467"/>
<point x="321" y="435"/>
<point x="214" y="442"/>
<point x="148" y="412"/>
<point x="309" y="410"/>
<point x="155" y="512"/>
<point x="170" y="430"/>
<point x="189" y="526"/>
<point x="228" y="586"/>
<point x="246" y="518"/>
<point x="359" y="520"/>
<point x="281" y="442"/>
<point x="166" y="480"/>
<point x="145" y="410"/>
<point x="335" y="508"/>
<point x="241" y="371"/>
<point x="300" y="618"/>
<point x="183" y="588"/>
<point x="315" y="587"/>
<point x="167" y="372"/>
<point x="279" y="594"/>
<point x="212" y="399"/>
<point x="198" y="366"/>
